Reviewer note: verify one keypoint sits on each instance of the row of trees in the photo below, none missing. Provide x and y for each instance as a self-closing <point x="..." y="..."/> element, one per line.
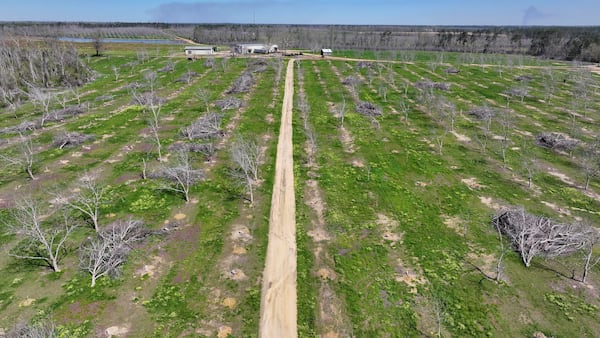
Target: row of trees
<point x="45" y="231"/>
<point x="28" y="70"/>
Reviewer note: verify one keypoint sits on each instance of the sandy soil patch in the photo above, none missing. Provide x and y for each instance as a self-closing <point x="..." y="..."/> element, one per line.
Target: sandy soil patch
<point x="566" y="179"/>
<point x="326" y="273"/>
<point x="461" y="137"/>
<point x="151" y="269"/>
<point x="472" y="183"/>
<point x="319" y="235"/>
<point x="179" y="217"/>
<point x="488" y="201"/>
<point x="236" y="275"/>
<point x="27" y="302"/>
<point x="561" y="211"/>
<point x="389" y="226"/>
<point x="241" y="233"/>
<point x="523" y="132"/>
<point x="238" y="250"/>
<point x="455" y="223"/>
<point x="408" y="276"/>
<point x="392" y="237"/>
<point x="347" y="140"/>
<point x="357" y="163"/>
<point x="270" y="119"/>
<point x="333" y="320"/>
<point x="117" y="331"/>
<point x="229" y="302"/>
<point x="486" y="263"/>
<point x="224" y="331"/>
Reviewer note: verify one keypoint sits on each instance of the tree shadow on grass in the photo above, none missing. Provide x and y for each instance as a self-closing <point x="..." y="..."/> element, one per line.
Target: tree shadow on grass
<point x="565" y="273"/>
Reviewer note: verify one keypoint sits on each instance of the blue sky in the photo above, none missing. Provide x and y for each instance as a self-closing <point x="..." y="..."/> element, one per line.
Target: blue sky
<point x="394" y="12"/>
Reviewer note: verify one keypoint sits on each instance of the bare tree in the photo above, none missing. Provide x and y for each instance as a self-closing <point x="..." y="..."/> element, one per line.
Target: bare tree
<point x="151" y="78"/>
<point x="485" y="116"/>
<point x="25" y="158"/>
<point x="87" y="199"/>
<point x="207" y="126"/>
<point x="590" y="161"/>
<point x="42" y="98"/>
<point x="98" y="44"/>
<point x="341" y="111"/>
<point x="529" y="161"/>
<point x="230" y="102"/>
<point x="151" y="107"/>
<point x="520" y="92"/>
<point x="548" y="83"/>
<point x="142" y="55"/>
<point x="589" y="260"/>
<point x="439" y="312"/>
<point x="506" y="125"/>
<point x="45" y="243"/>
<point x="246" y="154"/>
<point x="535" y="236"/>
<point x="104" y="255"/>
<point x="382" y="91"/>
<point x="584" y="82"/>
<point x="204" y="95"/>
<point x="439" y="137"/>
<point x="445" y="112"/>
<point x="404" y="109"/>
<point x="179" y="176"/>
<point x="503" y="250"/>
<point x="63" y="139"/>
<point x="115" y="70"/>
<point x="242" y="84"/>
<point x="39" y="329"/>
<point x="11" y="98"/>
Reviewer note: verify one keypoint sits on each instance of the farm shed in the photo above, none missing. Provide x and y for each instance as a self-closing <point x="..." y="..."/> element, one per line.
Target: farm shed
<point x="326" y="52"/>
<point x="255" y="48"/>
<point x="191" y="51"/>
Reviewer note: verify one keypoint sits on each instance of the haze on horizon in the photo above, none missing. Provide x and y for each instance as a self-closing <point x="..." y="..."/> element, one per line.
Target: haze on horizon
<point x="384" y="12"/>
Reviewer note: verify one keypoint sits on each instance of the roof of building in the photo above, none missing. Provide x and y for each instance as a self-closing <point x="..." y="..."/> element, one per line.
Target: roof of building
<point x="199" y="47"/>
<point x="326" y="50"/>
<point x="250" y="44"/>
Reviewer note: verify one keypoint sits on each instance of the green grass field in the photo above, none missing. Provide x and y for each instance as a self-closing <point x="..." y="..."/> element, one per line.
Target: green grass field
<point x="393" y="213"/>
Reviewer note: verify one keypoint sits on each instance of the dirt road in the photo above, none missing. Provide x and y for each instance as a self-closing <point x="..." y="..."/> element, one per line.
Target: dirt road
<point x="278" y="299"/>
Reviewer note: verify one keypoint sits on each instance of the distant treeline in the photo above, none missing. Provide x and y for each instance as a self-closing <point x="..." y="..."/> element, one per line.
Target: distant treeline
<point x="96" y="30"/>
<point x="565" y="43"/>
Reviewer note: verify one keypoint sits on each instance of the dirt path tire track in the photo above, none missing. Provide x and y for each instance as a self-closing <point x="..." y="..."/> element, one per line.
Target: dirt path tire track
<point x="278" y="310"/>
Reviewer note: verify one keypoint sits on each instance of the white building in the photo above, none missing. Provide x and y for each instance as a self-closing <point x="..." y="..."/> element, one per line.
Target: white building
<point x="326" y="52"/>
<point x="192" y="51"/>
<point x="254" y="48"/>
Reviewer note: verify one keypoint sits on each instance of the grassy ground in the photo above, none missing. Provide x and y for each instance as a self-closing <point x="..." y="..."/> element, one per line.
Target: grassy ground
<point x="394" y="235"/>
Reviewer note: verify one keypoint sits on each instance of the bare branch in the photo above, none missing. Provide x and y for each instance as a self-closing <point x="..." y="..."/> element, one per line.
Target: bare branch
<point x="179" y="176"/>
<point x="246" y="154"/>
<point x="40" y="242"/>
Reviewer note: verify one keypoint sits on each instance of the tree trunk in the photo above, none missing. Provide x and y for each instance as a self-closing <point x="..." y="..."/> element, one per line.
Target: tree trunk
<point x="30" y="172"/>
<point x="250" y="189"/>
<point x="586" y="266"/>
<point x="54" y="264"/>
<point x="587" y="182"/>
<point x="95" y="220"/>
